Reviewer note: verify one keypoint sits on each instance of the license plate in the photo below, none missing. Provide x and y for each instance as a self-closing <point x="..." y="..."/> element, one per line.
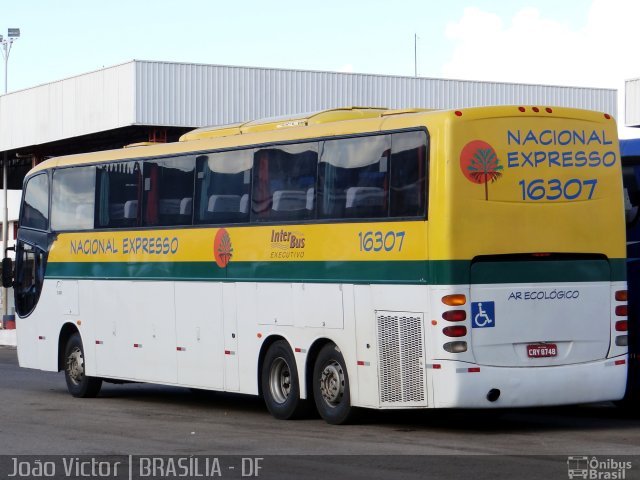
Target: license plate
<point x="539" y="350"/>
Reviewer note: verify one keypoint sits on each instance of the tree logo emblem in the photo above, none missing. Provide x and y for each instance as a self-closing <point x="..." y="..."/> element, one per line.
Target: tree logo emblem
<point x="480" y="164"/>
<point x="222" y="248"/>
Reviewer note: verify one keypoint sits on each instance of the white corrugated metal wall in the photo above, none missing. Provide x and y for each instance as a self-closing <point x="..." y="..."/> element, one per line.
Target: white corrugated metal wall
<point x="189" y="95"/>
<point x="89" y="103"/>
<point x="176" y="94"/>
<point x="632" y="103"/>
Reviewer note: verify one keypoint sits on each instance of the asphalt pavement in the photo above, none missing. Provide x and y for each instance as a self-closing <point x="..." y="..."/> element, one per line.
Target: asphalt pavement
<point x="39" y="418"/>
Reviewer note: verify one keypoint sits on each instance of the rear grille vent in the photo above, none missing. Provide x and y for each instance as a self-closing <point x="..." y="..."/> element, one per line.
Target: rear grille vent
<point x="400" y="352"/>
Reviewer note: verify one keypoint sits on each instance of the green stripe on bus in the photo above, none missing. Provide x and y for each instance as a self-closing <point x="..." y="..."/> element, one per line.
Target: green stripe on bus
<point x="327" y="272"/>
<point x="136" y="270"/>
<point x="399" y="272"/>
<point x="541" y="271"/>
<point x="618" y="269"/>
<point x="435" y="272"/>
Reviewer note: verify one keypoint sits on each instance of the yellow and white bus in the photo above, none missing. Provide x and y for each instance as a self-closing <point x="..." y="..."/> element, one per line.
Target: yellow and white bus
<point x="353" y="257"/>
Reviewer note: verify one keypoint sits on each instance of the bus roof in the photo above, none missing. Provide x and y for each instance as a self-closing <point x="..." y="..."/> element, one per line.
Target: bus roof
<point x="298" y="120"/>
<point x="330" y="122"/>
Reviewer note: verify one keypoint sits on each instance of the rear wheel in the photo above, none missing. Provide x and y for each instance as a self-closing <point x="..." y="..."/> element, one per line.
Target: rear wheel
<point x="331" y="386"/>
<point x="78" y="384"/>
<point x="280" y="384"/>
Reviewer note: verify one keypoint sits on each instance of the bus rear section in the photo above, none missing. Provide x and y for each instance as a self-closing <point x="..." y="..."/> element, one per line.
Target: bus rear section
<point x="630" y="153"/>
<point x="534" y="243"/>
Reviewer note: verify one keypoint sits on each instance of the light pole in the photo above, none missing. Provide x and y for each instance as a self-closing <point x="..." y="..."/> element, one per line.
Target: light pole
<point x="415" y="55"/>
<point x="7" y="42"/>
<point x="12" y="35"/>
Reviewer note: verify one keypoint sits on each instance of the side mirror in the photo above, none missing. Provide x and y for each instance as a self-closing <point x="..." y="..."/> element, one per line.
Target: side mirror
<point x="7" y="272"/>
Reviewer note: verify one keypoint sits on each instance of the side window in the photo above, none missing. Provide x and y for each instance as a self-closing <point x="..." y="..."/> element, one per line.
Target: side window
<point x="119" y="191"/>
<point x="223" y="186"/>
<point x="73" y="198"/>
<point x="408" y="196"/>
<point x="168" y="191"/>
<point x="35" y="213"/>
<point x="284" y="183"/>
<point x="354" y="177"/>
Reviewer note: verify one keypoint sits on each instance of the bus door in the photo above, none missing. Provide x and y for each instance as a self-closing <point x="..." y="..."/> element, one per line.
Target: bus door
<point x="31" y="257"/>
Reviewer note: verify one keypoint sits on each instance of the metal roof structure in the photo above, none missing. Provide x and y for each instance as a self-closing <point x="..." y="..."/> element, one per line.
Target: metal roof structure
<point x="145" y="100"/>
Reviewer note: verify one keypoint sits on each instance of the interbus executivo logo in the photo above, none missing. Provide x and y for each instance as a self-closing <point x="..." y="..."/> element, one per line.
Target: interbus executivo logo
<point x="480" y="164"/>
<point x="287" y="245"/>
<point x="597" y="469"/>
<point x="222" y="248"/>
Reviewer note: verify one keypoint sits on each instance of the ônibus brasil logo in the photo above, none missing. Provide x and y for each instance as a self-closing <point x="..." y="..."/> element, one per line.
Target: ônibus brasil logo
<point x="480" y="164"/>
<point x="222" y="248"/>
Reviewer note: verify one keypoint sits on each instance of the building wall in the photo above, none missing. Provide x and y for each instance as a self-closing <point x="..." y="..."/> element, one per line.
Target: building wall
<point x="89" y="103"/>
<point x="632" y="103"/>
<point x="192" y="95"/>
<point x="13" y="201"/>
<point x="187" y="94"/>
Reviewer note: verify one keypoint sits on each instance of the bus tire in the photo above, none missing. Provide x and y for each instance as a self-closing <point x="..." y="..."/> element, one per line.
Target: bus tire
<point x="78" y="384"/>
<point x="331" y="386"/>
<point x="280" y="383"/>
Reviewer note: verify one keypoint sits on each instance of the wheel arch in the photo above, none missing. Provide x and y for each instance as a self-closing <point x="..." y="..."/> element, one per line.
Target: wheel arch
<point x="310" y="360"/>
<point x="67" y="330"/>
<point x="312" y="355"/>
<point x="270" y="340"/>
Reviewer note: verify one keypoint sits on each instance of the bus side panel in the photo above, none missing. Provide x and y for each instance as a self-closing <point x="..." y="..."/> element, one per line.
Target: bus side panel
<point x="293" y="311"/>
<point x="248" y="341"/>
<point x="79" y="294"/>
<point x="230" y="332"/>
<point x="155" y="320"/>
<point x="366" y="348"/>
<point x="110" y="324"/>
<point x="390" y="346"/>
<point x="135" y="339"/>
<point x="199" y="334"/>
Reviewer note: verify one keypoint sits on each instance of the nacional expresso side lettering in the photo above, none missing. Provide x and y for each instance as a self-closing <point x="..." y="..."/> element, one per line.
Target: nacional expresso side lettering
<point x="127" y="246"/>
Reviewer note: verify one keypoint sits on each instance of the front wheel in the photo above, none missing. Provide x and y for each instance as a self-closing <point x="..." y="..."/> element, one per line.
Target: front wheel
<point x="78" y="384"/>
<point x="331" y="386"/>
<point x="280" y="384"/>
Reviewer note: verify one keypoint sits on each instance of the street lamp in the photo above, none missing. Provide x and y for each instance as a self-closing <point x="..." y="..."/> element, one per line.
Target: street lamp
<point x="12" y="35"/>
<point x="7" y="42"/>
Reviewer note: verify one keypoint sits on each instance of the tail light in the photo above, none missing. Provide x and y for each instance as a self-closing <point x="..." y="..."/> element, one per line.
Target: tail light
<point x="621" y="325"/>
<point x="455" y="315"/>
<point x="622" y="341"/>
<point x="457" y="331"/>
<point x="455" y="347"/>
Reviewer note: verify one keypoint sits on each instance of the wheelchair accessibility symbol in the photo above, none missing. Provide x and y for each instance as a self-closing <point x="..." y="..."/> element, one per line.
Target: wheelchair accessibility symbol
<point x="483" y="314"/>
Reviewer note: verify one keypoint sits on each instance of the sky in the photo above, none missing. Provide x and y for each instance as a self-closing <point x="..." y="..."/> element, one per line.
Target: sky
<point x="585" y="43"/>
